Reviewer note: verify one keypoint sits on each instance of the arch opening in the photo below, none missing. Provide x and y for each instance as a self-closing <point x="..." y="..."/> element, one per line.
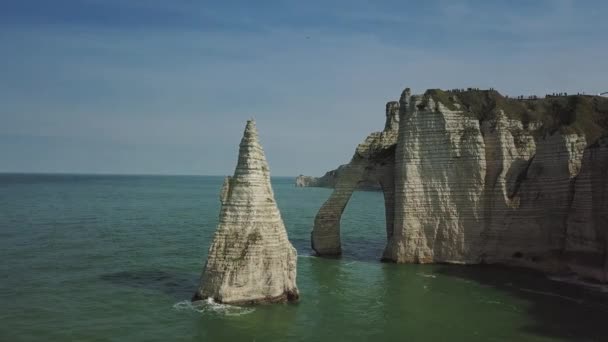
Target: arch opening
<point x="373" y="209"/>
<point x="362" y="223"/>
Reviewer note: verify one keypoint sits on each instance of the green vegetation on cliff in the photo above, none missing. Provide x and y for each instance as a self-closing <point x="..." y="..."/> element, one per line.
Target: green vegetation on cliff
<point x="567" y="114"/>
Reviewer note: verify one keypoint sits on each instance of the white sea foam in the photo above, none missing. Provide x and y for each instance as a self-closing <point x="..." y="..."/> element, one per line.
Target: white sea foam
<point x="306" y="256"/>
<point x="551" y="294"/>
<point x="210" y="306"/>
<point x="577" y="281"/>
<point x="426" y="275"/>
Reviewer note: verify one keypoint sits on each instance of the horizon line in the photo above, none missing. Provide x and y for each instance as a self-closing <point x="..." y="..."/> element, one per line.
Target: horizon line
<point x="118" y="174"/>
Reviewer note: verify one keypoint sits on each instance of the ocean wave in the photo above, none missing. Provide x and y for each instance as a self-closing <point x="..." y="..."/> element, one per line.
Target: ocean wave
<point x="210" y="306"/>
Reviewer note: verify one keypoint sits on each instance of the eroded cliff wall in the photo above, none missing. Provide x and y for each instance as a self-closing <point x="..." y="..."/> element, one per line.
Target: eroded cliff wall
<point x="586" y="247"/>
<point x="439" y="176"/>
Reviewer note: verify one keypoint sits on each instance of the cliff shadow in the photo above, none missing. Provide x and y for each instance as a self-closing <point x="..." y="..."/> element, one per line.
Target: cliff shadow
<point x="363" y="249"/>
<point x="559" y="310"/>
<point x="352" y="249"/>
<point x="177" y="285"/>
<point x="302" y="245"/>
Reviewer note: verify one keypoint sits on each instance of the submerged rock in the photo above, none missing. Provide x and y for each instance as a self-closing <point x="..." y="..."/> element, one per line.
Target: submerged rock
<point x="250" y="260"/>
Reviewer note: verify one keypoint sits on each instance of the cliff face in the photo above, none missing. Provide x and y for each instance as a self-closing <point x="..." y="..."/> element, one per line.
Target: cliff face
<point x="586" y="247"/>
<point x="439" y="177"/>
<point x="250" y="259"/>
<point x="479" y="178"/>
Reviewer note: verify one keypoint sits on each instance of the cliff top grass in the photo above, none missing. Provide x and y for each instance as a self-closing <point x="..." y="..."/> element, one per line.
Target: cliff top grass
<point x="567" y="114"/>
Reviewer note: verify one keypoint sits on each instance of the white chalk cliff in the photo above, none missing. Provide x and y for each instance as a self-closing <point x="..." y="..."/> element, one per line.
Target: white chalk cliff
<point x="250" y="259"/>
<point x="474" y="177"/>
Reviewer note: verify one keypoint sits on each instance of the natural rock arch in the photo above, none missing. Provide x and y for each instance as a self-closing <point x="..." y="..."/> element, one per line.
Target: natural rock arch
<point x="475" y="177"/>
<point x="373" y="162"/>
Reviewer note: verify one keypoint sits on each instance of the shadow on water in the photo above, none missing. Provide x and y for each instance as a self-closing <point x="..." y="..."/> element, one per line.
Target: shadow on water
<point x="178" y="285"/>
<point x="302" y="246"/>
<point x="559" y="310"/>
<point x="352" y="249"/>
<point x="363" y="250"/>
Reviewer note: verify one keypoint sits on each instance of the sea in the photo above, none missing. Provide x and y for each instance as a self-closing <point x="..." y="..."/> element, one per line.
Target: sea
<point x="117" y="258"/>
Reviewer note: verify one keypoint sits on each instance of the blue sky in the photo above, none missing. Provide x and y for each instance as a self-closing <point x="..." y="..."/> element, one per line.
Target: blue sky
<point x="165" y="86"/>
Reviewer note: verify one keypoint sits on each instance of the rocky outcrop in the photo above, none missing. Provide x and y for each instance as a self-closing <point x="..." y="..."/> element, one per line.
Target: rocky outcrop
<point x="250" y="259"/>
<point x="480" y="178"/>
<point x="330" y="178"/>
<point x="310" y="181"/>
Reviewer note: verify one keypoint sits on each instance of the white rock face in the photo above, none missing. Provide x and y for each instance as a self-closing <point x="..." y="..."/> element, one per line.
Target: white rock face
<point x="307" y="181"/>
<point x="439" y="181"/>
<point x="250" y="260"/>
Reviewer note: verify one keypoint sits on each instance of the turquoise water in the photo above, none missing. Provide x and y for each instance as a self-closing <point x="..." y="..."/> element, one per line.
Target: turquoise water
<point x="116" y="258"/>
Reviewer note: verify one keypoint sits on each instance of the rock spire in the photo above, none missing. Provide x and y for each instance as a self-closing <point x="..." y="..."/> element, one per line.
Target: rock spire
<point x="250" y="259"/>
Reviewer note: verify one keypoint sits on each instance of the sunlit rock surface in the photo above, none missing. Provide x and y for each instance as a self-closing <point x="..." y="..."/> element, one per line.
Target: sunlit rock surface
<point x="437" y="213"/>
<point x="250" y="259"/>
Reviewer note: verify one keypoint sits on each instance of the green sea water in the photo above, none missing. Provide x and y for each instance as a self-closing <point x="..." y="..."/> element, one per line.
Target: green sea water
<point x="117" y="258"/>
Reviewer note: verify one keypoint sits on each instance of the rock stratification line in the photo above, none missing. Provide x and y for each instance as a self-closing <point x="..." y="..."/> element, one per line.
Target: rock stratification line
<point x="250" y="259"/>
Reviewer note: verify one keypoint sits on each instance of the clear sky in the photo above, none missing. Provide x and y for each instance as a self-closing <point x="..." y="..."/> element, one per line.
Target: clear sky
<point x="165" y="86"/>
